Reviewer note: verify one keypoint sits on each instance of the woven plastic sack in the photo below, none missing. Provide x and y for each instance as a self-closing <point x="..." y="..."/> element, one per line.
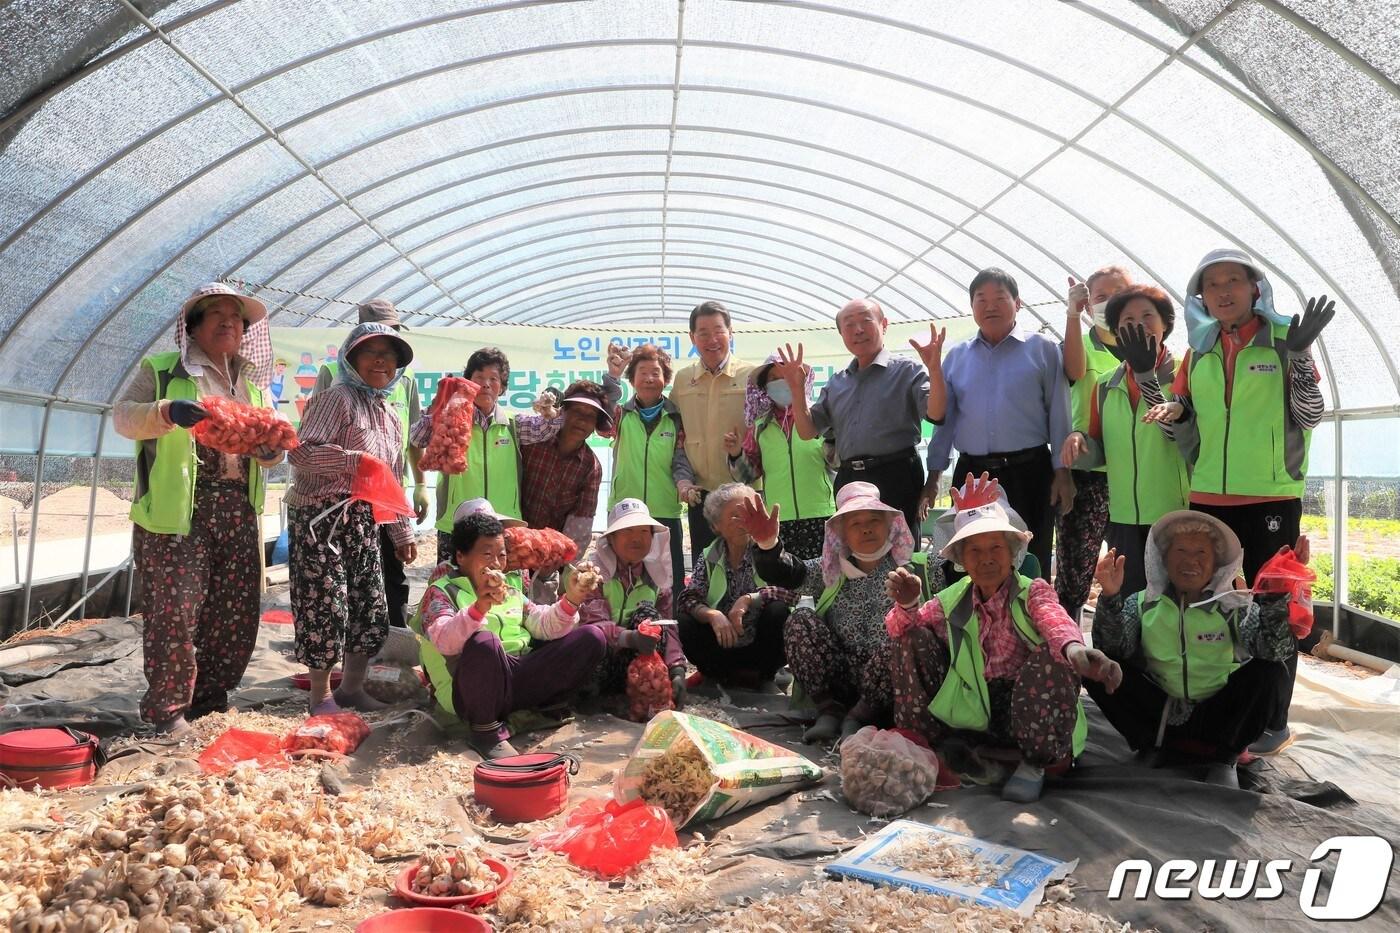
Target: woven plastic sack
<point x="237" y="746"/>
<point x="1284" y="573"/>
<point x="609" y="837"/>
<point x="452" y="426"/>
<point x="648" y="683"/>
<point x="374" y="482"/>
<point x="235" y="428"/>
<point x="333" y="734"/>
<point x="884" y="773"/>
<point x="533" y="548"/>
<point x="739" y="769"/>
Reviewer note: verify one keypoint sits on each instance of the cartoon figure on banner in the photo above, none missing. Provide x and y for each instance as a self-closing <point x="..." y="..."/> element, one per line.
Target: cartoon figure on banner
<point x="306" y="381"/>
<point x="279" y="381"/>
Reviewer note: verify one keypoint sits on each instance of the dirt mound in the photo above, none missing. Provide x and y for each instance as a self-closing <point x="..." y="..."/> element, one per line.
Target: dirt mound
<point x="73" y="500"/>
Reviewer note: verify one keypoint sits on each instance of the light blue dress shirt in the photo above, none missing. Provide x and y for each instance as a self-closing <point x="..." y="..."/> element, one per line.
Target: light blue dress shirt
<point x="1002" y="398"/>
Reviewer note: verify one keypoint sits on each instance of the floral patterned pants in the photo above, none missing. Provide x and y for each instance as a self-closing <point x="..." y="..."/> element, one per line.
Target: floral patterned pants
<point x="1077" y="539"/>
<point x="201" y="593"/>
<point x="338" y="601"/>
<point x="835" y="676"/>
<point x="803" y="537"/>
<point x="1035" y="712"/>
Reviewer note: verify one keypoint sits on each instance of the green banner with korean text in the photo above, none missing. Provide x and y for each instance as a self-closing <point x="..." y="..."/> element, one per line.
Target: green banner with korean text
<point x="556" y="356"/>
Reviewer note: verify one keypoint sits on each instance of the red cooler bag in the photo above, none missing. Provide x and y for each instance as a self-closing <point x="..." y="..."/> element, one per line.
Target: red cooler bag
<point x="50" y="757"/>
<point x="524" y="788"/>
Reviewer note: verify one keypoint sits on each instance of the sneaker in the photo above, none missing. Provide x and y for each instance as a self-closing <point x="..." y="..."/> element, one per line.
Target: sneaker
<point x="492" y="748"/>
<point x="1272" y="742"/>
<point x="1025" y="785"/>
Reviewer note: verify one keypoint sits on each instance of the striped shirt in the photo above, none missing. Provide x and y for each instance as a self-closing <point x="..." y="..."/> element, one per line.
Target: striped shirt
<point x="339" y="426"/>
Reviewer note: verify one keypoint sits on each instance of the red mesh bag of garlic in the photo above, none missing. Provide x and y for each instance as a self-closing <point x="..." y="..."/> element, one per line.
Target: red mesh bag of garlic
<point x="235" y="428"/>
<point x="452" y="426"/>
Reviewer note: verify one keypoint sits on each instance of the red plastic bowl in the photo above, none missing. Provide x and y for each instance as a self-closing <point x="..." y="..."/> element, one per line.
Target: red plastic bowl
<point x="405" y="892"/>
<point x="303" y="681"/>
<point x="424" y="920"/>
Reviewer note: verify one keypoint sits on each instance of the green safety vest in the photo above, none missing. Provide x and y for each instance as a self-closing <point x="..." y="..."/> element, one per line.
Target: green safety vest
<point x="504" y="621"/>
<point x="719" y="575"/>
<point x="493" y="473"/>
<point x="1249" y="445"/>
<point x="1147" y="476"/>
<point x="164" y="495"/>
<point x="962" y="700"/>
<point x="1189" y="656"/>
<point x="919" y="559"/>
<point x="642" y="463"/>
<point x="1099" y="361"/>
<point x="621" y="604"/>
<point x="794" y="473"/>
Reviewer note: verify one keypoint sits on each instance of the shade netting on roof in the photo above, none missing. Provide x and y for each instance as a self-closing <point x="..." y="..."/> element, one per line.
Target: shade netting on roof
<point x="621" y="160"/>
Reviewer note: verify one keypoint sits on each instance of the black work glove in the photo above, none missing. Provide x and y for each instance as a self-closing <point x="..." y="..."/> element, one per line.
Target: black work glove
<point x="186" y="414"/>
<point x="642" y="644"/>
<point x="1139" y="348"/>
<point x="1303" y="331"/>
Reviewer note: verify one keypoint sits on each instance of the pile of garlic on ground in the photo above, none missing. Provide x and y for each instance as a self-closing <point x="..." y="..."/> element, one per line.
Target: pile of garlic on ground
<point x="234" y="853"/>
<point x="678" y="780"/>
<point x="939" y="857"/>
<point x="843" y="906"/>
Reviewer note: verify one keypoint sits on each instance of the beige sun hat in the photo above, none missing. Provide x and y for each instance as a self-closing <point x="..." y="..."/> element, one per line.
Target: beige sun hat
<point x="253" y="309"/>
<point x="483" y="506"/>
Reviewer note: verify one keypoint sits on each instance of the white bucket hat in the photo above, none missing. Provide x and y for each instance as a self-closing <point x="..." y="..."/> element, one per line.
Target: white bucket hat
<point x="630" y="513"/>
<point x="1228" y="553"/>
<point x="483" y="506"/>
<point x="991" y="516"/>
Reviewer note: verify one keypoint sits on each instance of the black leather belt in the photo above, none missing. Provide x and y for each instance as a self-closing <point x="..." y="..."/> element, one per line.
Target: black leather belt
<point x="869" y="463"/>
<point x="1012" y="458"/>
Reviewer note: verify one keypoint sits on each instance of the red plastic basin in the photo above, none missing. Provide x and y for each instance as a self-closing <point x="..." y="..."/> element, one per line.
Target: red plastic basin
<point x="424" y="920"/>
<point x="404" y="891"/>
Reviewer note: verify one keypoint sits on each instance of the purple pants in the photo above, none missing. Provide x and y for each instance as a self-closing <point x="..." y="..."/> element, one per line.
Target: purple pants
<point x="488" y="684"/>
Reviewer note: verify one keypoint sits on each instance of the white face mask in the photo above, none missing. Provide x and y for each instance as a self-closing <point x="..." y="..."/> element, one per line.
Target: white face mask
<point x="1100" y="317"/>
<point x="780" y="392"/>
<point x="889" y="545"/>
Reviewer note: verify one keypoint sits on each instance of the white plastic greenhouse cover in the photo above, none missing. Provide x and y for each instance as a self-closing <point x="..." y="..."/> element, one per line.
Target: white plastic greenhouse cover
<point x="620" y="160"/>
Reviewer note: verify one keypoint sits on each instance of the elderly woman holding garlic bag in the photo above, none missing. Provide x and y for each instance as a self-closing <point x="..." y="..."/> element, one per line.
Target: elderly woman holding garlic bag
<point x="511" y="654"/>
<point x="196" y="511"/>
<point x="994" y="656"/>
<point x="839" y="651"/>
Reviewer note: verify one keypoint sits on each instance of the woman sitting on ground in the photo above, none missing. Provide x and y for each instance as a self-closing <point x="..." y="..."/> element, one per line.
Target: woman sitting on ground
<point x="510" y="654"/>
<point x="994" y="656"/>
<point x="731" y="622"/>
<point x="1211" y="702"/>
<point x="633" y="559"/>
<point x="839" y="650"/>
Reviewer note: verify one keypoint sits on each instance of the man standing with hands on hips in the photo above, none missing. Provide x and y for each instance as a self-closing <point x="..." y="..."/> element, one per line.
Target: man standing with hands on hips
<point x="874" y="406"/>
<point x="710" y="397"/>
<point x="1007" y="412"/>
